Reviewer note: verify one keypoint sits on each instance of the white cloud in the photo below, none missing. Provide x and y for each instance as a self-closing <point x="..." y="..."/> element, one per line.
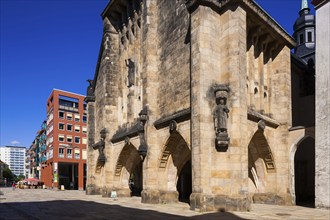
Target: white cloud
<point x="15" y="142"/>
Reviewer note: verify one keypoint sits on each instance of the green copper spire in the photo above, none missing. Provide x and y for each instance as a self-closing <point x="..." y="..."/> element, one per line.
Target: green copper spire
<point x="304" y="4"/>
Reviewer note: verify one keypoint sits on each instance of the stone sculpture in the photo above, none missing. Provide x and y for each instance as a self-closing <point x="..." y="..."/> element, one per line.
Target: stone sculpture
<point x="131" y="72"/>
<point x="221" y="117"/>
<point x="100" y="147"/>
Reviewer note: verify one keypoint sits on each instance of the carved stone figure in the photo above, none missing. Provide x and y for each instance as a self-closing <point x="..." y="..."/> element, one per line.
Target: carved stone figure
<point x="100" y="147"/>
<point x="131" y="72"/>
<point x="90" y="87"/>
<point x="143" y="148"/>
<point x="221" y="117"/>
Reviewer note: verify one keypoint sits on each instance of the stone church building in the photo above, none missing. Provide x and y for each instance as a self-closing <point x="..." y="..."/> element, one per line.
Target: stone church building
<point x="191" y="101"/>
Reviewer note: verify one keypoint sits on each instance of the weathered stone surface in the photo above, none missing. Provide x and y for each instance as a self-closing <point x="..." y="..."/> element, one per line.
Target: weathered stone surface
<point x="150" y="196"/>
<point x="179" y="57"/>
<point x="268" y="198"/>
<point x="322" y="113"/>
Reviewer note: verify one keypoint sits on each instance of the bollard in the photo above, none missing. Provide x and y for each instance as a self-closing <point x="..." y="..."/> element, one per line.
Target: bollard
<point x="62" y="187"/>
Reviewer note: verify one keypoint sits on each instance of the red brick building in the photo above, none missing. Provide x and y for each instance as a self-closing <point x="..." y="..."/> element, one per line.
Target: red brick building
<point x="66" y="141"/>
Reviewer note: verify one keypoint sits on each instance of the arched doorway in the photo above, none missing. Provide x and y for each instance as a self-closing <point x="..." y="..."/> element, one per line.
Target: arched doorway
<point x="304" y="172"/>
<point x="129" y="170"/>
<point x="260" y="163"/>
<point x="135" y="180"/>
<point x="184" y="183"/>
<point x="175" y="167"/>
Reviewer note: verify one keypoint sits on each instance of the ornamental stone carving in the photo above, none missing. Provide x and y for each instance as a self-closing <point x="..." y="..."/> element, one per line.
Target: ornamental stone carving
<point x="100" y="147"/>
<point x="143" y="148"/>
<point x="221" y="117"/>
<point x="131" y="72"/>
<point x="90" y="91"/>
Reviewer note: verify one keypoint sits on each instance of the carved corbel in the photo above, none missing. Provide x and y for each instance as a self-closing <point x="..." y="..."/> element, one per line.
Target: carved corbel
<point x="220" y="117"/>
<point x="261" y="125"/>
<point x="172" y="126"/>
<point x="100" y="147"/>
<point x="90" y="91"/>
<point x="143" y="148"/>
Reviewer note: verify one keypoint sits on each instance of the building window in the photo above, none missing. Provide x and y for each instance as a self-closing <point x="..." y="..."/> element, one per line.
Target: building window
<point x="84" y="154"/>
<point x="61" y="115"/>
<point x="77" y="140"/>
<point x="69" y="153"/>
<point x="60" y="126"/>
<point x="69" y="116"/>
<point x="309" y="36"/>
<point x="69" y="138"/>
<point x="84" y="140"/>
<point x="61" y="152"/>
<point x="61" y="138"/>
<point x="76" y="117"/>
<point x="84" y="129"/>
<point x="84" y="118"/>
<point x="69" y="127"/>
<point x="301" y="39"/>
<point x="76" y="153"/>
<point x="77" y="128"/>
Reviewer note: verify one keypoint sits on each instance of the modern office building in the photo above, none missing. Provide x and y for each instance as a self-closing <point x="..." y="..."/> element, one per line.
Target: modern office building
<point x="14" y="156"/>
<point x="65" y="162"/>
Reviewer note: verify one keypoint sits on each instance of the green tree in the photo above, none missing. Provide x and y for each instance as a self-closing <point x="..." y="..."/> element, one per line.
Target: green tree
<point x="20" y="177"/>
<point x="7" y="174"/>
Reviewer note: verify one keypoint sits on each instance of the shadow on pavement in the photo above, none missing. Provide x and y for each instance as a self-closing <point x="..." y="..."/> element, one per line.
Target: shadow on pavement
<point x="76" y="209"/>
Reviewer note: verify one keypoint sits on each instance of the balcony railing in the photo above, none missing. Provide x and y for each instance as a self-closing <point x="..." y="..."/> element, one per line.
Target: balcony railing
<point x="67" y="108"/>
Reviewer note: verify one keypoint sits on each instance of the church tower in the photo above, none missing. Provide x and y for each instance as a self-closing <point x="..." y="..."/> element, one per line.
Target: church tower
<point x="304" y="33"/>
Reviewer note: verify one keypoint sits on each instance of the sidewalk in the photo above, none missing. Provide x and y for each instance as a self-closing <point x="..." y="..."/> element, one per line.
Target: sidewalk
<point x="47" y="204"/>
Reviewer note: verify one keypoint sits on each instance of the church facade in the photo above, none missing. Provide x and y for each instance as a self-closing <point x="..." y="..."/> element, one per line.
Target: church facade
<point x="191" y="101"/>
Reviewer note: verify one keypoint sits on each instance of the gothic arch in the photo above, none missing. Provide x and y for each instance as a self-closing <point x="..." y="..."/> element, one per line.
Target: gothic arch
<point x="128" y="162"/>
<point x="294" y="149"/>
<point x="173" y="160"/>
<point x="260" y="161"/>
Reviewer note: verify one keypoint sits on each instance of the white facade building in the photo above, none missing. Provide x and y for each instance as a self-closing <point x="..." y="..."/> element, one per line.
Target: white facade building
<point x="14" y="156"/>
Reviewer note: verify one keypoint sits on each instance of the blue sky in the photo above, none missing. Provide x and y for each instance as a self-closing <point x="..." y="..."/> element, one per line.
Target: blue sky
<point x="48" y="44"/>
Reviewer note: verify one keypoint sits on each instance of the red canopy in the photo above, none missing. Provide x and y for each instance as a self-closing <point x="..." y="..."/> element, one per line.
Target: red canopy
<point x="32" y="181"/>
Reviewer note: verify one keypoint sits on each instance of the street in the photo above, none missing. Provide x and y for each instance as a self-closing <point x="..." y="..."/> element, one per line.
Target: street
<point x="47" y="204"/>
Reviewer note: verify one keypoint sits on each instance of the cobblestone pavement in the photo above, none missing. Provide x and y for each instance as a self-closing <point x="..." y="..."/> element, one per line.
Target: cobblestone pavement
<point x="47" y="204"/>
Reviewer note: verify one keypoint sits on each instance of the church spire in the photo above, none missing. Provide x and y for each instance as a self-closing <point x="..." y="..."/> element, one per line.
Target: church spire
<point x="304" y="4"/>
<point x="304" y="8"/>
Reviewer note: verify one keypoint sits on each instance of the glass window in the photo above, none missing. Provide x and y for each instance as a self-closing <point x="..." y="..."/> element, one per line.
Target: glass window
<point x="84" y="129"/>
<point x="301" y="39"/>
<point x="76" y="117"/>
<point x="61" y="152"/>
<point x="84" y="118"/>
<point x="84" y="154"/>
<point x="84" y="140"/>
<point x="61" y="115"/>
<point x="309" y="36"/>
<point x="77" y="128"/>
<point x="77" y="140"/>
<point x="69" y="153"/>
<point x="77" y="153"/>
<point x="69" y="116"/>
<point x="69" y="127"/>
<point x="61" y="137"/>
<point x="69" y="138"/>
<point x="60" y="126"/>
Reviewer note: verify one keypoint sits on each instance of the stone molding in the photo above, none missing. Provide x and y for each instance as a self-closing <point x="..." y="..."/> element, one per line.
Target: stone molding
<point x="256" y="117"/>
<point x="122" y="134"/>
<point x="179" y="116"/>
